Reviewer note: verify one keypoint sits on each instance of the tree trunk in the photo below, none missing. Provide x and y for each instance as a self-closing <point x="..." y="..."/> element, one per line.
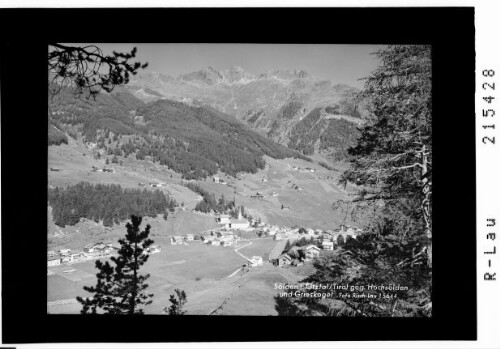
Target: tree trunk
<point x="134" y="285"/>
<point x="426" y="188"/>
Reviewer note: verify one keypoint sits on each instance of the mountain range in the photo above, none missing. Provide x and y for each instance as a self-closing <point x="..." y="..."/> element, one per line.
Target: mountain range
<point x="274" y="103"/>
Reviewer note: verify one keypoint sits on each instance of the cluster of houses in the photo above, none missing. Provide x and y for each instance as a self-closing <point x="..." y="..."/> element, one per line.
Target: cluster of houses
<point x="104" y="169"/>
<point x="297" y="255"/>
<point x="307" y="169"/>
<point x="157" y="185"/>
<point x="214" y="238"/>
<point x="181" y="240"/>
<point x="336" y="236"/>
<point x="258" y="195"/>
<point x="327" y="240"/>
<point x="330" y="239"/>
<point x="89" y="251"/>
<point x="152" y="185"/>
<point x="220" y="238"/>
<point x="92" y="250"/>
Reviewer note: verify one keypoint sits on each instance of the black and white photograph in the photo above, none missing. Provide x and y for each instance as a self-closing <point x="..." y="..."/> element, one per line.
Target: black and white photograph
<point x="249" y="176"/>
<point x="240" y="179"/>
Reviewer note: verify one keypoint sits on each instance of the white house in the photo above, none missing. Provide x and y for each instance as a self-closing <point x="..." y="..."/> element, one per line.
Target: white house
<point x="225" y="236"/>
<point x="256" y="260"/>
<point x="78" y="255"/>
<point x="284" y="259"/>
<point x="189" y="237"/>
<point x="327" y="245"/>
<point x="89" y="248"/>
<point x="64" y="252"/>
<point x="154" y="249"/>
<point x="226" y="242"/>
<point x="53" y="261"/>
<point x="176" y="240"/>
<point x="270" y="232"/>
<point x="312" y="251"/>
<point x="100" y="246"/>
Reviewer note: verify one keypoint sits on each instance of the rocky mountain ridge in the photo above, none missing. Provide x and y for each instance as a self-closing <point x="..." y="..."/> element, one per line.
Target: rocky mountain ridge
<point x="273" y="103"/>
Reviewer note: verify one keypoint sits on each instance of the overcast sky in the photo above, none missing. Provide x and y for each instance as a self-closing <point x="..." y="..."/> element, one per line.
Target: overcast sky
<point x="338" y="63"/>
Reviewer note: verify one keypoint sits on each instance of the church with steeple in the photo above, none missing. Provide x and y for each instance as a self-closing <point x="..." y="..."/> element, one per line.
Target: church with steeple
<point x="240" y="223"/>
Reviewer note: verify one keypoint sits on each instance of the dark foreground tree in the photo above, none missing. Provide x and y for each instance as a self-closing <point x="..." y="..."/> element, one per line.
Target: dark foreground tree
<point x="392" y="161"/>
<point x="177" y="306"/>
<point x="391" y="171"/>
<point x="121" y="289"/>
<point x="88" y="70"/>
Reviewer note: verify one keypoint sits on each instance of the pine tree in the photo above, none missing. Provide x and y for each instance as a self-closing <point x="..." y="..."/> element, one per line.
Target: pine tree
<point x="288" y="246"/>
<point x="121" y="289"/>
<point x="107" y="161"/>
<point x="177" y="306"/>
<point x="392" y="162"/>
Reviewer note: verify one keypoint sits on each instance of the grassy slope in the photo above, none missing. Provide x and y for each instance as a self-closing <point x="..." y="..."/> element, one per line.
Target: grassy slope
<point x="310" y="207"/>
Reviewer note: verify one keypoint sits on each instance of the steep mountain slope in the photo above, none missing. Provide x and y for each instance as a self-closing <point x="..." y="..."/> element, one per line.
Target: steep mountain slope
<point x="196" y="141"/>
<point x="273" y="103"/>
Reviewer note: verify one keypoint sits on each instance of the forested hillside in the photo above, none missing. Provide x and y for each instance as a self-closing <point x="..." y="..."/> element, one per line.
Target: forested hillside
<point x="109" y="111"/>
<point x="316" y="132"/>
<point x="109" y="203"/>
<point x="56" y="137"/>
<point x="196" y="141"/>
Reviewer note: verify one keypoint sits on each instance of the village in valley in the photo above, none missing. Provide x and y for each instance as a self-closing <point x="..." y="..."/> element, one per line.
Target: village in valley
<point x="229" y="234"/>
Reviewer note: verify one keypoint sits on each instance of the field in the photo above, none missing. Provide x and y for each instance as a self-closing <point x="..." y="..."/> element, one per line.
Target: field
<point x="255" y="292"/>
<point x="259" y="247"/>
<point x="191" y="267"/>
<point x="201" y="271"/>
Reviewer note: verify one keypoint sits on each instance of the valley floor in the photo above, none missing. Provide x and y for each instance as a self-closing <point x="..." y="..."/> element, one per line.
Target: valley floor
<point x="210" y="276"/>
